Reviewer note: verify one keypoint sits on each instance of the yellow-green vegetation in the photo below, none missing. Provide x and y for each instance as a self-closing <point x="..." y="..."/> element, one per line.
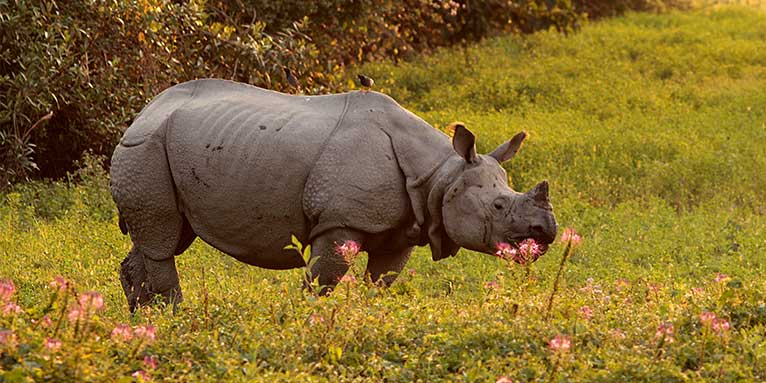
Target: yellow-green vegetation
<point x="652" y="132"/>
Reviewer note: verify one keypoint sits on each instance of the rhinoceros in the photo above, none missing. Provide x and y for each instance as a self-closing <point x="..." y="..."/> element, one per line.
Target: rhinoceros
<point x="246" y="168"/>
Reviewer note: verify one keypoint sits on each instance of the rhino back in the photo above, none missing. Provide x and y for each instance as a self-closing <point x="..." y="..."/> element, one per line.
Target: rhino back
<point x="240" y="157"/>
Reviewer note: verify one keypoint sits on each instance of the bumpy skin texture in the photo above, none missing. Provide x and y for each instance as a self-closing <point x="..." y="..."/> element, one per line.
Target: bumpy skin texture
<point x="245" y="168"/>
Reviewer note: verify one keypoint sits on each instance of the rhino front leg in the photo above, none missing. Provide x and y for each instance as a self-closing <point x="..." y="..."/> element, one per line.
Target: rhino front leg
<point x="330" y="265"/>
<point x="386" y="266"/>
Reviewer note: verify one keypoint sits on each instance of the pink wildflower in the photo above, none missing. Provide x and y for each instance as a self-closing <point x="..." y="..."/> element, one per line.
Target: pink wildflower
<point x="503" y="379"/>
<point x="75" y="314"/>
<point x="560" y="343"/>
<point x="91" y="301"/>
<point x="52" y="344"/>
<point x="147" y="333"/>
<point x="11" y="308"/>
<point x="586" y="312"/>
<point x="707" y="318"/>
<point x="529" y="250"/>
<point x="491" y="285"/>
<point x="591" y="287"/>
<point x="665" y="332"/>
<point x="315" y="319"/>
<point x="570" y="235"/>
<point x="617" y="333"/>
<point x="348" y="278"/>
<point x="59" y="284"/>
<point x="697" y="290"/>
<point x="720" y="277"/>
<point x="653" y="287"/>
<point x="122" y="332"/>
<point x="7" y="338"/>
<point x="141" y="375"/>
<point x="348" y="249"/>
<point x="7" y="288"/>
<point x="506" y="251"/>
<point x="412" y="272"/>
<point x="720" y="326"/>
<point x="150" y="362"/>
<point x="621" y="283"/>
<point x="44" y="321"/>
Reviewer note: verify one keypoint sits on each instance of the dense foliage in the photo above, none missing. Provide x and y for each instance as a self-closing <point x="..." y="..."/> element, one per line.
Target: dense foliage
<point x="650" y="130"/>
<point x="95" y="64"/>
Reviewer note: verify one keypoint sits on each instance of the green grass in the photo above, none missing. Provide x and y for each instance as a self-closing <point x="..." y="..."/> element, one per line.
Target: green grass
<point x="652" y="132"/>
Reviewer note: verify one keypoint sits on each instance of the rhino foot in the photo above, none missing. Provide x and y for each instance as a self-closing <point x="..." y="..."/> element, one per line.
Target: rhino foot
<point x="142" y="286"/>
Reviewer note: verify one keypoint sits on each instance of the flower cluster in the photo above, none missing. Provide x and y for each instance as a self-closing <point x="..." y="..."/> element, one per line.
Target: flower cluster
<point x="710" y="320"/>
<point x="8" y="307"/>
<point x="570" y="235"/>
<point x="348" y="250"/>
<point x="88" y="303"/>
<point x="665" y="332"/>
<point x="560" y="343"/>
<point x="525" y="252"/>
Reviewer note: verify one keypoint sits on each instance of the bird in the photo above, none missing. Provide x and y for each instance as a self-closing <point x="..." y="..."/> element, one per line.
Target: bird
<point x="365" y="81"/>
<point x="292" y="80"/>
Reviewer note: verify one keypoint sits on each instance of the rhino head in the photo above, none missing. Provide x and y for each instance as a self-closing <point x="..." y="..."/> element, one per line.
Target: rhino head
<point x="480" y="211"/>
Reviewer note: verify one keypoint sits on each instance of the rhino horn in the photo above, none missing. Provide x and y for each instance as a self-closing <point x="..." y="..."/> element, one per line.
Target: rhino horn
<point x="540" y="192"/>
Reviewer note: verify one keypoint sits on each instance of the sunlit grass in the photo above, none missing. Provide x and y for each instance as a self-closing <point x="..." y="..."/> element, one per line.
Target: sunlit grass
<point x="651" y="130"/>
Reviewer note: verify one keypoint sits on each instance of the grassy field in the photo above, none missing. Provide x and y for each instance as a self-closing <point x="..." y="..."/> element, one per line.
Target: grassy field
<point x="652" y="132"/>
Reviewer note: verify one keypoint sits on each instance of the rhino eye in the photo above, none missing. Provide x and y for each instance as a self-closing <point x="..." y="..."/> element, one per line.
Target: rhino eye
<point x="500" y="203"/>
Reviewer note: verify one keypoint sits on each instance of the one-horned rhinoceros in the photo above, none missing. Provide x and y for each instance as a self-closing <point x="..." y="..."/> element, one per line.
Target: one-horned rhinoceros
<point x="245" y="168"/>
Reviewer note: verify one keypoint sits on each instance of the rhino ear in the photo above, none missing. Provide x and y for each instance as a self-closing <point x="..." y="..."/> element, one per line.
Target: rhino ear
<point x="464" y="143"/>
<point x="507" y="150"/>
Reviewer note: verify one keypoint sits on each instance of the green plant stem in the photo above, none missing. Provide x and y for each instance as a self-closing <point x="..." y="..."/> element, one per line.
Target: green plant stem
<point x="554" y="290"/>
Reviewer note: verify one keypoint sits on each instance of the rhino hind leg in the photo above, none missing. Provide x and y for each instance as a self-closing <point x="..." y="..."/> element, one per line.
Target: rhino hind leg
<point x="143" y="189"/>
<point x="384" y="267"/>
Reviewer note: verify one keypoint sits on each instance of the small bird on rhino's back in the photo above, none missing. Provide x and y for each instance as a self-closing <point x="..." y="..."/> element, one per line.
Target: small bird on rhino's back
<point x="365" y="82"/>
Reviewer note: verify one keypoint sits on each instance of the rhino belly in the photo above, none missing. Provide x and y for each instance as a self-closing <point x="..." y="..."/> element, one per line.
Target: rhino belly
<point x="240" y="178"/>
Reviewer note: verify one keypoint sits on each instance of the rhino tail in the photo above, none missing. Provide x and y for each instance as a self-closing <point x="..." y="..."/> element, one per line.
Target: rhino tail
<point x="123" y="225"/>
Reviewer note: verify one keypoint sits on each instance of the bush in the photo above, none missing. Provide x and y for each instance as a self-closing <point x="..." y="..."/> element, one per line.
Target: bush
<point x="95" y="64"/>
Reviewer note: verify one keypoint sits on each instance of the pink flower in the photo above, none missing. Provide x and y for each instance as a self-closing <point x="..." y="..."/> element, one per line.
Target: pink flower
<point x="697" y="290"/>
<point x="7" y="337"/>
<point x="586" y="312"/>
<point x="503" y="379"/>
<point x="52" y="344"/>
<point x="11" y="308"/>
<point x="412" y="272"/>
<point x="560" y="343"/>
<point x="570" y="235"/>
<point x="529" y="250"/>
<point x="91" y="301"/>
<point x="122" y="332"/>
<point x="665" y="332"/>
<point x="506" y="251"/>
<point x="44" y="321"/>
<point x="491" y="285"/>
<point x="707" y="318"/>
<point x="147" y="333"/>
<point x="617" y="333"/>
<point x="621" y="283"/>
<point x="348" y="249"/>
<point x="150" y="362"/>
<point x="720" y="277"/>
<point x="315" y="319"/>
<point x="76" y="313"/>
<point x="653" y="287"/>
<point x="348" y="278"/>
<point x="141" y="375"/>
<point x="59" y="284"/>
<point x="591" y="287"/>
<point x="7" y="288"/>
<point x="721" y="326"/>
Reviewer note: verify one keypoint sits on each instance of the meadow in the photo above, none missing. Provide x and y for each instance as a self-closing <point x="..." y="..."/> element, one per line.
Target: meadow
<point x="651" y="130"/>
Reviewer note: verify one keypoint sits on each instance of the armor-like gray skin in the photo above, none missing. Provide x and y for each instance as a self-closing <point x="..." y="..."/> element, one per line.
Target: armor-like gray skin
<point x="245" y="168"/>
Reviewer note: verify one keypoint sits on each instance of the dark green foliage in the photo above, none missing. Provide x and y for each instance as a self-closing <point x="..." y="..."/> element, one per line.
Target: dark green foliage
<point x="95" y="64"/>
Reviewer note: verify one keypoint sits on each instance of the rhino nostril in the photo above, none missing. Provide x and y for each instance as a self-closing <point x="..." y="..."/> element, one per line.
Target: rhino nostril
<point x="537" y="229"/>
<point x="498" y="205"/>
